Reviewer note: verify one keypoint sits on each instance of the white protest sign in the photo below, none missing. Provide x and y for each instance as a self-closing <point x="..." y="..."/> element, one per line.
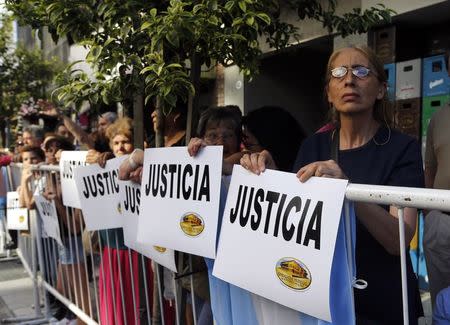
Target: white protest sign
<point x="130" y="197"/>
<point x="278" y="236"/>
<point x="98" y="190"/>
<point x="49" y="217"/>
<point x="180" y="199"/>
<point x="70" y="160"/>
<point x="17" y="218"/>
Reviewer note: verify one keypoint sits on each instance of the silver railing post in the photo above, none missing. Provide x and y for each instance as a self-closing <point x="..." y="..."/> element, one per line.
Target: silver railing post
<point x="401" y="231"/>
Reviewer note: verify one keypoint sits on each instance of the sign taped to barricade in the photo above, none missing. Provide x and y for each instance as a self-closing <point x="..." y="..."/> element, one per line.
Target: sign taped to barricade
<point x="98" y="189"/>
<point x="130" y="197"/>
<point x="70" y="160"/>
<point x="180" y="199"/>
<point x="17" y="217"/>
<point x="49" y="217"/>
<point x="278" y="236"/>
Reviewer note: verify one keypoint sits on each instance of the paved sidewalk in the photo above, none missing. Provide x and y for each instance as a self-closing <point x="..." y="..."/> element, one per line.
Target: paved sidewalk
<point x="16" y="291"/>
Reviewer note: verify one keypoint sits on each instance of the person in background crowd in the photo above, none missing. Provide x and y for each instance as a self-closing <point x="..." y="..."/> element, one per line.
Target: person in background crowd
<point x="281" y="127"/>
<point x="17" y="149"/>
<point x="30" y="156"/>
<point x="220" y="126"/>
<point x="131" y="169"/>
<point x="95" y="141"/>
<point x="366" y="150"/>
<point x="52" y="144"/>
<point x="273" y="129"/>
<point x="71" y="253"/>
<point x="174" y="136"/>
<point x="62" y="131"/>
<point x="436" y="237"/>
<point x="217" y="126"/>
<point x="33" y="136"/>
<point x="119" y="264"/>
<point x="174" y="127"/>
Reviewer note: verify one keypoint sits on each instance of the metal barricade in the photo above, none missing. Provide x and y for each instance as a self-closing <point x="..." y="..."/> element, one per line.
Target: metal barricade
<point x="92" y="274"/>
<point x="101" y="281"/>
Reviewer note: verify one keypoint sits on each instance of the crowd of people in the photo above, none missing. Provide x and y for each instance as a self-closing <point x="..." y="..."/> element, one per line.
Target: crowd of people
<point x="358" y="143"/>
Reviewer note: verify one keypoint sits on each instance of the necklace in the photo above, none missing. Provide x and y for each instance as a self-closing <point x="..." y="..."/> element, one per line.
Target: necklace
<point x="387" y="140"/>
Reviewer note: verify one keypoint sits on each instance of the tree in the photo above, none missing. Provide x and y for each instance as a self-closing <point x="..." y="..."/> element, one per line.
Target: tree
<point x="156" y="48"/>
<point x="24" y="74"/>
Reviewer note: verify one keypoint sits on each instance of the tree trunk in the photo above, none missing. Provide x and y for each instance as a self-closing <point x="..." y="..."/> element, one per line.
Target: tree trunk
<point x="159" y="132"/>
<point x="138" y="119"/>
<point x="192" y="113"/>
<point x="3" y="133"/>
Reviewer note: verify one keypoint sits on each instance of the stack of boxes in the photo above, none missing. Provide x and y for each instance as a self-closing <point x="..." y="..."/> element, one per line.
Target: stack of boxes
<point x="435" y="90"/>
<point x="419" y="88"/>
<point x="407" y="95"/>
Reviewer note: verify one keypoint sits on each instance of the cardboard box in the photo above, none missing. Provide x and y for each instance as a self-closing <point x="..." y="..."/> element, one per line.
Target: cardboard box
<point x="408" y="79"/>
<point x="384" y="44"/>
<point x="430" y="105"/>
<point x="435" y="79"/>
<point x="389" y="69"/>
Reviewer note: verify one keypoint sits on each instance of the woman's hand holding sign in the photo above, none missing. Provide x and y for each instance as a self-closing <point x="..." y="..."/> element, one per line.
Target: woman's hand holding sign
<point x="328" y="168"/>
<point x="258" y="162"/>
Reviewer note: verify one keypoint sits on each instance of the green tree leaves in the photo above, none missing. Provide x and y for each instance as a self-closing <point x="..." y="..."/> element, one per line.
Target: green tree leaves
<point x="155" y="40"/>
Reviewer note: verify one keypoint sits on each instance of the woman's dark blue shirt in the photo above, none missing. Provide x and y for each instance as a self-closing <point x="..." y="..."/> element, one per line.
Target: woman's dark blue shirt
<point x="393" y="159"/>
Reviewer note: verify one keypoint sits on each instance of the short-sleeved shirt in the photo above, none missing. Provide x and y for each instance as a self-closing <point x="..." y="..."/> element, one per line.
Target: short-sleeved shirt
<point x="437" y="153"/>
<point x="395" y="161"/>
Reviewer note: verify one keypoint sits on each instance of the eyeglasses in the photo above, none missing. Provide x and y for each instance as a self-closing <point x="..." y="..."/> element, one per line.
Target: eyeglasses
<point x="213" y="136"/>
<point x="359" y="71"/>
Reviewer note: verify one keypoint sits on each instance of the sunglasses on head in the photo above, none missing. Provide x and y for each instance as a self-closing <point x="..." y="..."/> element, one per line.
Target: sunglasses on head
<point x="359" y="71"/>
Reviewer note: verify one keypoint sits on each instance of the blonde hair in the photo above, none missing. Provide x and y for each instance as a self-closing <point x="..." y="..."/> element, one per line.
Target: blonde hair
<point x="383" y="111"/>
<point x="122" y="126"/>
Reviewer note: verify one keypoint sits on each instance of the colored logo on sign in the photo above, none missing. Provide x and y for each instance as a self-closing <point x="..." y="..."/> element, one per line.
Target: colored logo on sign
<point x="293" y="273"/>
<point x="436" y="83"/>
<point x="160" y="249"/>
<point x="192" y="224"/>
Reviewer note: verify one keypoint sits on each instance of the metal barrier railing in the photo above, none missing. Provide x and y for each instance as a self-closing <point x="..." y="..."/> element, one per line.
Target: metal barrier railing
<point x="102" y="282"/>
<point x="93" y="279"/>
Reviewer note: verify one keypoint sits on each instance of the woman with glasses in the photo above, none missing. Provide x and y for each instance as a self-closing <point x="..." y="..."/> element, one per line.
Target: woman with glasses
<point x="220" y="126"/>
<point x="363" y="148"/>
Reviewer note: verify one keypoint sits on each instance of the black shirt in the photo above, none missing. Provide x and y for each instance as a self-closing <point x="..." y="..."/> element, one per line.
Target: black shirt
<point x="392" y="159"/>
